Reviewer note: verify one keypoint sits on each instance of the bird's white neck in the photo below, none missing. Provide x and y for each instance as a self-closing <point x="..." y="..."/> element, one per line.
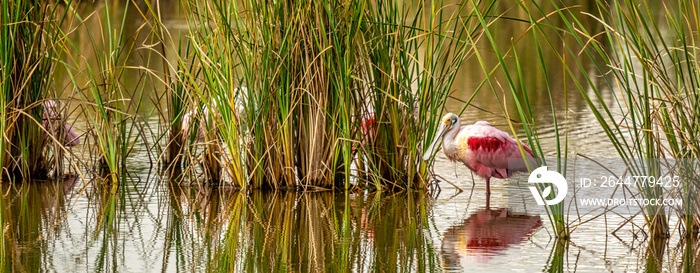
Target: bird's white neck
<point x="448" y="143"/>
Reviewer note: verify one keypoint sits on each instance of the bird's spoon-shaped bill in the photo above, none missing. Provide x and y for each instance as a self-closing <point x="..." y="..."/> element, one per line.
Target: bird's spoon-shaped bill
<point x="436" y="141"/>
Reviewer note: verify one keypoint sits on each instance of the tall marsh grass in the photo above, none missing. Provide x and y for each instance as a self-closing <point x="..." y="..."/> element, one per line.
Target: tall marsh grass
<point x="647" y="60"/>
<point x="316" y="95"/>
<point x="656" y="69"/>
<point x="294" y="82"/>
<point x="29" y="32"/>
<point x="649" y="50"/>
<point x="103" y="76"/>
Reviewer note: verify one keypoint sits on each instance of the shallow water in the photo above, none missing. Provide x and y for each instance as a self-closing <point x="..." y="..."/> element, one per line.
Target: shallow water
<point x="152" y="224"/>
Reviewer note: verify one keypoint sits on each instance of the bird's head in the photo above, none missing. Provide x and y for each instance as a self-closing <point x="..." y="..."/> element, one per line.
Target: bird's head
<point x="50" y="108"/>
<point x="447" y="122"/>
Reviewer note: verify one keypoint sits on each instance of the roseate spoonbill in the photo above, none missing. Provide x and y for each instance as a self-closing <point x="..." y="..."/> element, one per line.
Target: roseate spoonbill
<point x="368" y="128"/>
<point x="483" y="149"/>
<point x="69" y="138"/>
<point x="188" y="119"/>
<point x="368" y="124"/>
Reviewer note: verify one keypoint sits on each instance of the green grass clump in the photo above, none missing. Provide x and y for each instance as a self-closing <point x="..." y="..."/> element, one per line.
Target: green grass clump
<point x="30" y="33"/>
<point x="97" y="75"/>
<point x="292" y="83"/>
<point x="648" y="60"/>
<point x="652" y="59"/>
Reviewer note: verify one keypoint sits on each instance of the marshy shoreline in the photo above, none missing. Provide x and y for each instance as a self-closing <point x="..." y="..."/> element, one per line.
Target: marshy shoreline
<point x="238" y="124"/>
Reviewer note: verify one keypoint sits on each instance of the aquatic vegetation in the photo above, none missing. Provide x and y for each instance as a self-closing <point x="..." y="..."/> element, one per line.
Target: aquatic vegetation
<point x="177" y="97"/>
<point x="511" y="64"/>
<point x="319" y="95"/>
<point x="413" y="57"/>
<point x="308" y="81"/>
<point x="658" y="74"/>
<point x="109" y="104"/>
<point x="651" y="59"/>
<point x="653" y="75"/>
<point x="29" y="33"/>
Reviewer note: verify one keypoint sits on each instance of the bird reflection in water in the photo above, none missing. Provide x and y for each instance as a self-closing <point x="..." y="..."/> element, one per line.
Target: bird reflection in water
<point x="484" y="233"/>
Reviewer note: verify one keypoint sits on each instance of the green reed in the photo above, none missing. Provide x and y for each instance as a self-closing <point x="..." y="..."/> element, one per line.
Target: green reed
<point x="511" y="64"/>
<point x="293" y="82"/>
<point x="182" y="109"/>
<point x="182" y="114"/>
<point x="176" y="91"/>
<point x="658" y="74"/>
<point x="655" y="252"/>
<point x="109" y="103"/>
<point x="413" y="53"/>
<point x="210" y="74"/>
<point x="690" y="260"/>
<point x="176" y="110"/>
<point x="29" y="33"/>
<point x="651" y="57"/>
<point x="557" y="257"/>
<point x="654" y="78"/>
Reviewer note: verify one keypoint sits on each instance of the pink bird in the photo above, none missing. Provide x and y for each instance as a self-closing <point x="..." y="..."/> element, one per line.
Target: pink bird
<point x="483" y="149"/>
<point x="188" y="119"/>
<point x="368" y="125"/>
<point x="69" y="138"/>
<point x="368" y="129"/>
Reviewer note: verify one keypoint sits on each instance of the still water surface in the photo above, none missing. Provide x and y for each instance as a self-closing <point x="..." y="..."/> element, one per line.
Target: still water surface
<point x="155" y="225"/>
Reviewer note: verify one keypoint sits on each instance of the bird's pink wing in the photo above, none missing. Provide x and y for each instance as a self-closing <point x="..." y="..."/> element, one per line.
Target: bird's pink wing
<point x="493" y="148"/>
<point x="71" y="138"/>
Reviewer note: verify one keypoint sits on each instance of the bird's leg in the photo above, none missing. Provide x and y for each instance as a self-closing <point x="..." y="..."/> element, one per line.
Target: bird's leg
<point x="473" y="182"/>
<point x="488" y="192"/>
<point x="488" y="186"/>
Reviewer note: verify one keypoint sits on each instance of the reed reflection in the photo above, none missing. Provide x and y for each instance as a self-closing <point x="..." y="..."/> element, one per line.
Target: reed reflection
<point x="197" y="219"/>
<point x="31" y="216"/>
<point x="690" y="255"/>
<point x="328" y="232"/>
<point x="654" y="254"/>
